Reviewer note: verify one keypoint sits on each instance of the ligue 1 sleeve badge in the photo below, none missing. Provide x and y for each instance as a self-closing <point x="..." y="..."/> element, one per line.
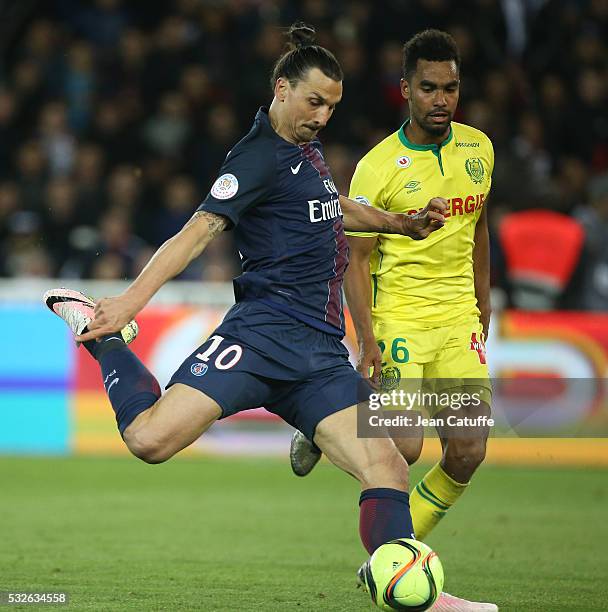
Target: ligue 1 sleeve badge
<point x="403" y="161"/>
<point x="225" y="187"/>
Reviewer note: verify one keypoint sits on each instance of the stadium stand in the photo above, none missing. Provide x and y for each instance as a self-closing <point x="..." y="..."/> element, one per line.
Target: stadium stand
<point x="115" y="116"/>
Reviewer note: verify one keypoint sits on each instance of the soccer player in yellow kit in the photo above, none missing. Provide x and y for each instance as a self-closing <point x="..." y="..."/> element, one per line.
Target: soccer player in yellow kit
<point x="426" y="312"/>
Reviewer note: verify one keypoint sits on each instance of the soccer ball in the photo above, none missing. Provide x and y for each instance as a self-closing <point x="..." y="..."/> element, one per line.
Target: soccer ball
<point x="403" y="575"/>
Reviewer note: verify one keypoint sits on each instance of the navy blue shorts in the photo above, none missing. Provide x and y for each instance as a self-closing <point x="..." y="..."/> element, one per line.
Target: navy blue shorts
<point x="259" y="356"/>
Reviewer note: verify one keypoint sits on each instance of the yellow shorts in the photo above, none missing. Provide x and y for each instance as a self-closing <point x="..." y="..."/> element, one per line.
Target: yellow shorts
<point x="445" y="358"/>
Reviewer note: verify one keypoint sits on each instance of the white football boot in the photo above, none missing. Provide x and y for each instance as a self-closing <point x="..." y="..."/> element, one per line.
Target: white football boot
<point x="78" y="310"/>
<point x="448" y="603"/>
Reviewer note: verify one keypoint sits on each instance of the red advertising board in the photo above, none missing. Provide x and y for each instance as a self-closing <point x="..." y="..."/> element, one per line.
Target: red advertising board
<point x="549" y="347"/>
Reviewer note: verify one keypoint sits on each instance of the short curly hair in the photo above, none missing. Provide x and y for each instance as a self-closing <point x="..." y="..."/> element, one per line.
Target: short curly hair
<point x="430" y="45"/>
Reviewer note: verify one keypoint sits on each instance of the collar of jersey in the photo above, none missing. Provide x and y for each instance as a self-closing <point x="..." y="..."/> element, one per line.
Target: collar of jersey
<point x="422" y="147"/>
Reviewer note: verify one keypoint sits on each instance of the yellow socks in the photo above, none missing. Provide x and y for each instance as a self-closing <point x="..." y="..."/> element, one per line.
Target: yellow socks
<point x="432" y="498"/>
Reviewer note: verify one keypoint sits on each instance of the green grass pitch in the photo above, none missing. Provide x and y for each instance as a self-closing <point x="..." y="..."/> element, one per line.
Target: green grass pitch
<point x="244" y="534"/>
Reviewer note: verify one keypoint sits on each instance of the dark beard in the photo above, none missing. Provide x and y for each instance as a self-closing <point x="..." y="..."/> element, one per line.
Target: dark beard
<point x="435" y="130"/>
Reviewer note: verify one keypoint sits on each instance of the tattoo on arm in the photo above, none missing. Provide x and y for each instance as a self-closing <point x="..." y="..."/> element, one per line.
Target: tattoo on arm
<point x="216" y="223"/>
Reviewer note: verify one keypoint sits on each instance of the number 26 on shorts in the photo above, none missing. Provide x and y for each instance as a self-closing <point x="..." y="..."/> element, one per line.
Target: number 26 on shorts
<point x="399" y="353"/>
<point x="227" y="358"/>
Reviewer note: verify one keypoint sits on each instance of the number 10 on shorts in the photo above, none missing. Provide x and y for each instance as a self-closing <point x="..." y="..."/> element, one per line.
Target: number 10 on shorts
<point x="227" y="358"/>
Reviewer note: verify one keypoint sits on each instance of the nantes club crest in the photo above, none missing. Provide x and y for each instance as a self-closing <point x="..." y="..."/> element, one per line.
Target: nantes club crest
<point x="474" y="168"/>
<point x="390" y="378"/>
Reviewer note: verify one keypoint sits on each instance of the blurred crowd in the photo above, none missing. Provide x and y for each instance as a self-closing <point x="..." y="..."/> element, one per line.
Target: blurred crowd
<point x="115" y="116"/>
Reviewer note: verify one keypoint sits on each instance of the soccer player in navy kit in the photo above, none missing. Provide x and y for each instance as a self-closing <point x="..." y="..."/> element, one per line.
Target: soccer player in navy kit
<point x="280" y="345"/>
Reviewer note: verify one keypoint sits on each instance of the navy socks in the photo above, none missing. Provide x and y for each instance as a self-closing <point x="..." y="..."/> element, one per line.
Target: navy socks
<point x="130" y="386"/>
<point x="384" y="515"/>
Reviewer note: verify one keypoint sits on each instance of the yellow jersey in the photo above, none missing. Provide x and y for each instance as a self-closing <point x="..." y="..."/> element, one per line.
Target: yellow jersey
<point x="427" y="282"/>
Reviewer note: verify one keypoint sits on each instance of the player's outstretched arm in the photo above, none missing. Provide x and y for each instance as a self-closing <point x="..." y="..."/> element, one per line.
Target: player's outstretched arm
<point x="357" y="288"/>
<point x="361" y="218"/>
<point x="481" y="269"/>
<point x="112" y="314"/>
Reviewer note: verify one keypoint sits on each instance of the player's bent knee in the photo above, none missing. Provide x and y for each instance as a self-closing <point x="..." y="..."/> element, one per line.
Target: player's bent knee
<point x="467" y="452"/>
<point x="150" y="453"/>
<point x="146" y="447"/>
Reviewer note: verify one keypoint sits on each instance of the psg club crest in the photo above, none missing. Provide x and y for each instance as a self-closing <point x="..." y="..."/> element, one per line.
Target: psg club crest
<point x="390" y="378"/>
<point x="403" y="162"/>
<point x="199" y="369"/>
<point x="225" y="187"/>
<point x="474" y="168"/>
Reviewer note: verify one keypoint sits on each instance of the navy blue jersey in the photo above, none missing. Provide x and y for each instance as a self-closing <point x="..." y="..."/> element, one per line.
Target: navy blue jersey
<point x="284" y="207"/>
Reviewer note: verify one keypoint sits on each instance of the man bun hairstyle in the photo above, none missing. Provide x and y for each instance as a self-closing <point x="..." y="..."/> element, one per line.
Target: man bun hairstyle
<point x="301" y="35"/>
<point x="430" y="45"/>
<point x="303" y="55"/>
